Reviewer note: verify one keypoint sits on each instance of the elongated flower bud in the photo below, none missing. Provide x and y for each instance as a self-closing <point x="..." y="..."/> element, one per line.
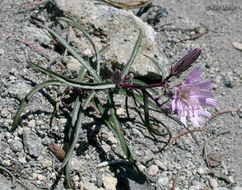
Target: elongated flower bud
<point x="185" y="62"/>
<point x="117" y="77"/>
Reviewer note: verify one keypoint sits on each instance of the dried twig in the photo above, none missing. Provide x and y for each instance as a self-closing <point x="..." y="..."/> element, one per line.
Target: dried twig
<point x="182" y="134"/>
<point x="220" y="113"/>
<point x="14" y="180"/>
<point x="129" y="5"/>
<point x="41" y="51"/>
<point x="162" y="28"/>
<point x="174" y="182"/>
<point x="158" y="28"/>
<point x="196" y="36"/>
<point x="9" y="173"/>
<point x="35" y="3"/>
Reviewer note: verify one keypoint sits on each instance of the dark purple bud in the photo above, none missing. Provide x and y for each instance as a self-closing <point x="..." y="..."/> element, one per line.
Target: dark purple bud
<point x="166" y="108"/>
<point x="117" y="77"/>
<point x="185" y="62"/>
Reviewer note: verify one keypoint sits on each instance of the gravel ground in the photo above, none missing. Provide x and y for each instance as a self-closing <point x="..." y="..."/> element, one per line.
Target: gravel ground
<point x="26" y="153"/>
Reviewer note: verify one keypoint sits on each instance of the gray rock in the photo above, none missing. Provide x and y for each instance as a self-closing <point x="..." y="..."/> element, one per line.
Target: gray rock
<point x="15" y="145"/>
<point x="117" y="28"/>
<point x="19" y="90"/>
<point x="32" y="144"/>
<point x="36" y="34"/>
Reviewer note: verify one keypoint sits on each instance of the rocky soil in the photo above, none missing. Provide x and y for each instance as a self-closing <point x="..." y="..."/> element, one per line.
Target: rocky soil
<point x="26" y="159"/>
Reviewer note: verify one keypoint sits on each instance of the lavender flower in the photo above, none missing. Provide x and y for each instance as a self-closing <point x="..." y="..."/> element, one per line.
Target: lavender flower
<point x="191" y="96"/>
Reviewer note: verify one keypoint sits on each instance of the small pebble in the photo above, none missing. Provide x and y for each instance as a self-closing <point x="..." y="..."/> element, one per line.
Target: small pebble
<point x="32" y="144"/>
<point x="76" y="164"/>
<point x="76" y="178"/>
<point x="202" y="170"/>
<point x="220" y="188"/>
<point x="15" y="145"/>
<point x="106" y="147"/>
<point x="231" y="179"/>
<point x="62" y="120"/>
<point x="161" y="165"/>
<point x="5" y="113"/>
<point x="46" y="163"/>
<point x="109" y="182"/>
<point x="22" y="160"/>
<point x="153" y="170"/>
<point x="237" y="45"/>
<point x="31" y="123"/>
<point x="163" y="181"/>
<point x="213" y="183"/>
<point x="142" y="168"/>
<point x="1" y="51"/>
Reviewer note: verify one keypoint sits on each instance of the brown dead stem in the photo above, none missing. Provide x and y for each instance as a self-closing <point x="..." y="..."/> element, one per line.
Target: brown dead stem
<point x="35" y="3"/>
<point x="129" y="5"/>
<point x="182" y="134"/>
<point x="221" y="113"/>
<point x="174" y="182"/>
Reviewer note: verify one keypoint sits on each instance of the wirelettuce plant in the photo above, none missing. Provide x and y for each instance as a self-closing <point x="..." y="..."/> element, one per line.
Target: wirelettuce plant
<point x="186" y="100"/>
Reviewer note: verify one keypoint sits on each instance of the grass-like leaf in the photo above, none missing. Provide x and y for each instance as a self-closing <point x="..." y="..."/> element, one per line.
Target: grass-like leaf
<point x="73" y="83"/>
<point x="146" y="114"/>
<point x="27" y="98"/>
<point x="84" y="63"/>
<point x="124" y="145"/>
<point x="77" y="130"/>
<point x="134" y="54"/>
<point x="68" y="174"/>
<point x="89" y="38"/>
<point x="158" y="65"/>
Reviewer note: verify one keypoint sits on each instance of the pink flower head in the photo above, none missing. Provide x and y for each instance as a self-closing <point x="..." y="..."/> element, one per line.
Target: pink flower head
<point x="191" y="96"/>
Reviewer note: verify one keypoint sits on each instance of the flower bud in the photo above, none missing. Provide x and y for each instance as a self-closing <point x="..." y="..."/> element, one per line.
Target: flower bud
<point x="117" y="77"/>
<point x="185" y="62"/>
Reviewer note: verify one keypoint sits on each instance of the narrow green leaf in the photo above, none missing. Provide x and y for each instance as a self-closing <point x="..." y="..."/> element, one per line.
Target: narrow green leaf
<point x="73" y="83"/>
<point x="29" y="96"/>
<point x="89" y="38"/>
<point x="101" y="52"/>
<point x="77" y="130"/>
<point x="163" y="72"/>
<point x="124" y="145"/>
<point x="84" y="63"/>
<point x="134" y="54"/>
<point x="147" y="117"/>
<point x="68" y="174"/>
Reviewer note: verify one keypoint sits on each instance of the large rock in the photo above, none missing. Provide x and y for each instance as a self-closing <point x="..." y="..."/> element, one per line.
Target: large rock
<point x="117" y="28"/>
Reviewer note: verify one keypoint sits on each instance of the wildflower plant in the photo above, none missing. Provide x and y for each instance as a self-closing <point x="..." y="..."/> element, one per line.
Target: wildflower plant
<point x="186" y="100"/>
